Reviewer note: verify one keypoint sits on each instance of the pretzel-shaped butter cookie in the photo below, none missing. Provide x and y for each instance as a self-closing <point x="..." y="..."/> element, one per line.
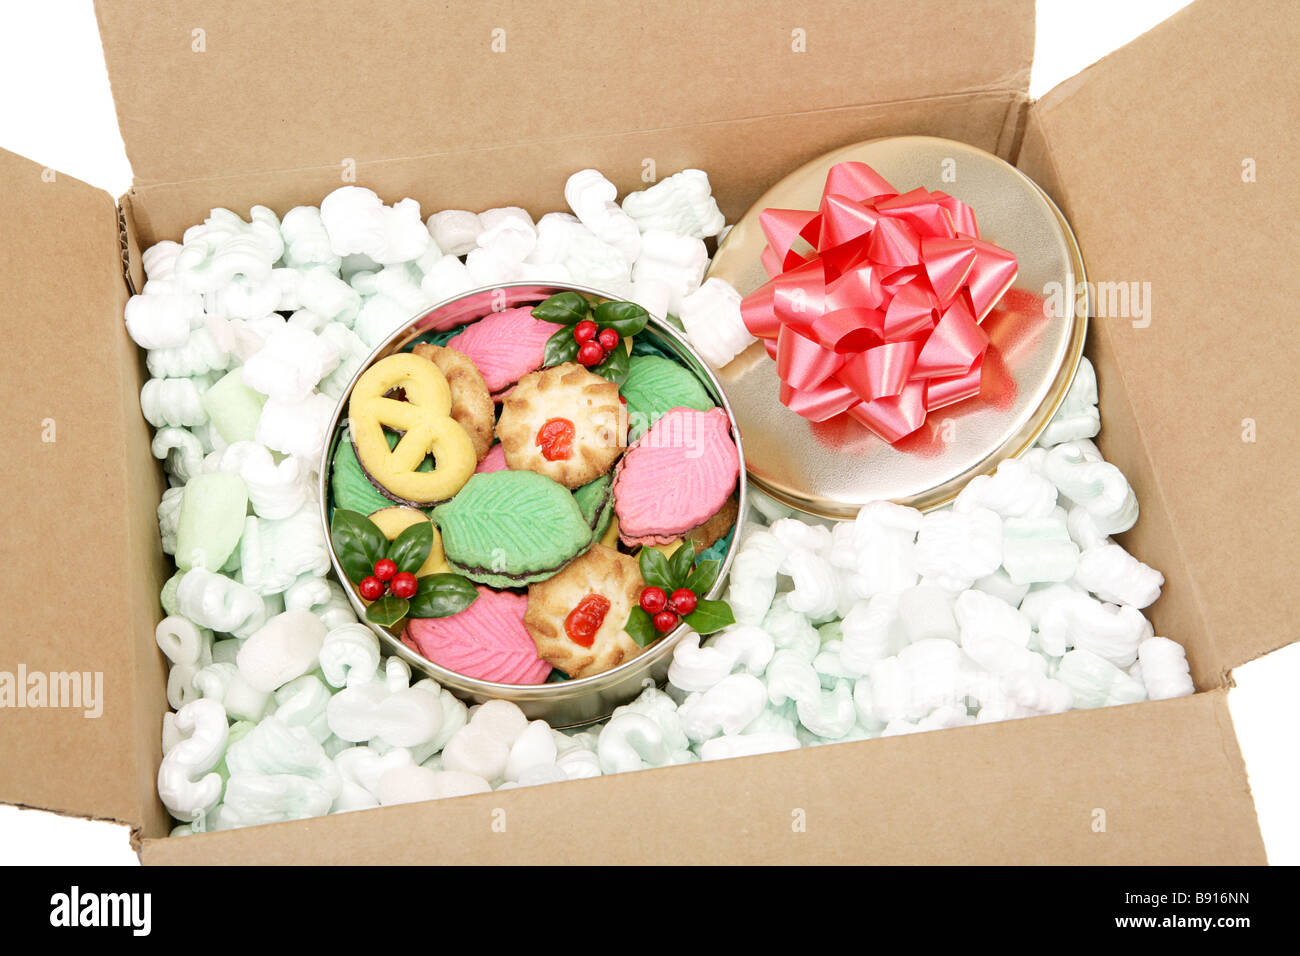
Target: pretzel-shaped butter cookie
<point x="425" y="422"/>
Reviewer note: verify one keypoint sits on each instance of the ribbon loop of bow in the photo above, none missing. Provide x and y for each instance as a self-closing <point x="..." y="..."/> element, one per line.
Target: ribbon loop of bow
<point x="881" y="319"/>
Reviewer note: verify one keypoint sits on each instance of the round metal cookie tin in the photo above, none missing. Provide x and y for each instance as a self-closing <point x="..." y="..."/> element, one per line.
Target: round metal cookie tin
<point x="833" y="468"/>
<point x="565" y="703"/>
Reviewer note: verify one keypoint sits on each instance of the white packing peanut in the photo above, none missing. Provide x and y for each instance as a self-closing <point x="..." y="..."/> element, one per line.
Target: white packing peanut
<point x="727" y="707"/>
<point x="163" y="321"/>
<point x="682" y="204"/>
<point x="172" y="401"/>
<point x="1114" y="575"/>
<point x="676" y="261"/>
<point x="1078" y="416"/>
<point x="1013" y="491"/>
<point x="187" y="784"/>
<point x="455" y="231"/>
<point x="285" y="647"/>
<point x="592" y="198"/>
<point x="711" y="317"/>
<point x="1165" y="672"/>
<point x="1077" y="469"/>
<point x="1036" y="550"/>
<point x="954" y="549"/>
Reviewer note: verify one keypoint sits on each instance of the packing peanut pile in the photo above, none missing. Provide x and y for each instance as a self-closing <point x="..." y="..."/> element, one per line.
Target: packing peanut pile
<point x="1010" y="603"/>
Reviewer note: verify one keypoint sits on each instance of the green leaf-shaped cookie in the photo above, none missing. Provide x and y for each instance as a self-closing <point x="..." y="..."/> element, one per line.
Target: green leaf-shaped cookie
<point x="510" y="528"/>
<point x="596" y="499"/>
<point x="655" y="385"/>
<point x="352" y="489"/>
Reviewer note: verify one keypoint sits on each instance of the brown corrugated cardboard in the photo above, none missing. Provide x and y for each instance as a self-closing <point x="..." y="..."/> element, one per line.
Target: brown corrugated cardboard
<point x="742" y="157"/>
<point x="208" y="90"/>
<point x="75" y="470"/>
<point x="248" y="122"/>
<point x="1151" y="783"/>
<point x="1154" y="150"/>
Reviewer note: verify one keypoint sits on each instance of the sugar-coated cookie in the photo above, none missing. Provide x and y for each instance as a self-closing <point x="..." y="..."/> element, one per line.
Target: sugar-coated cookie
<point x="510" y="528"/>
<point x="426" y="426"/>
<point x="471" y="402"/>
<point x="655" y="385"/>
<point x="505" y="346"/>
<point x="676" y="476"/>
<point x="352" y="489"/>
<point x="596" y="499"/>
<point x="576" y="618"/>
<point x="487" y="640"/>
<point x="566" y="423"/>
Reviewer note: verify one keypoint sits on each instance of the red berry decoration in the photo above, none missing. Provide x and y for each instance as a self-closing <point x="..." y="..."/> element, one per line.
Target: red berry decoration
<point x="665" y="621"/>
<point x="385" y="569"/>
<point x="371" y="588"/>
<point x="608" y="339"/>
<point x="591" y="354"/>
<point x="405" y="585"/>
<point x="653" y="600"/>
<point x="584" y="331"/>
<point x="683" y="601"/>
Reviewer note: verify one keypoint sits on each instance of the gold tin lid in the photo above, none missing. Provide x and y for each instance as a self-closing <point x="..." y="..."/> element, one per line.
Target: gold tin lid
<point x="833" y="468"/>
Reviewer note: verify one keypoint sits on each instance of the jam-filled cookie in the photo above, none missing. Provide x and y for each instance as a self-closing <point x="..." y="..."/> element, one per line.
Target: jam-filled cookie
<point x="471" y="402"/>
<point x="576" y="618"/>
<point x="565" y="423"/>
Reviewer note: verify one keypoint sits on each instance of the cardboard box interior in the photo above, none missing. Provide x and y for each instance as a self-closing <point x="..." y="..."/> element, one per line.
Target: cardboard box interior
<point x="424" y="108"/>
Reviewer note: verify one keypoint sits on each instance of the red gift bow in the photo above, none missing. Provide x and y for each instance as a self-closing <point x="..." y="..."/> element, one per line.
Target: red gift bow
<point x="882" y="320"/>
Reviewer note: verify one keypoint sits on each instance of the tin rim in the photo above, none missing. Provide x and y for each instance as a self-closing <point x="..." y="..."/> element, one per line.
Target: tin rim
<point x="1013" y="445"/>
<point x="625" y="680"/>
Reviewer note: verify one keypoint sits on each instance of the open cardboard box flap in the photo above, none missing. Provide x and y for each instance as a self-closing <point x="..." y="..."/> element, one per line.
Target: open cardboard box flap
<point x="273" y="89"/>
<point x="249" y="122"/>
<point x="78" y="475"/>
<point x="1149" y="153"/>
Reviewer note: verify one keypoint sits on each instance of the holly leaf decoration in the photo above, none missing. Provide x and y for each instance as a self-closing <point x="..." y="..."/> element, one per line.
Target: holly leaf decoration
<point x="625" y="318"/>
<point x="442" y="595"/>
<point x="358" y="542"/>
<point x="654" y="569"/>
<point x="679" y="565"/>
<point x="709" y="616"/>
<point x="560" y="348"/>
<point x="564" y="308"/>
<point x="640" y="627"/>
<point x="388" y="610"/>
<point x="410" y="549"/>
<point x="616" y="364"/>
<point x="703" y="577"/>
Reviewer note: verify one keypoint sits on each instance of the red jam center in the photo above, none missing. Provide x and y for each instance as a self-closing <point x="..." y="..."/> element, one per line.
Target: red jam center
<point x="585" y="620"/>
<point x="555" y="439"/>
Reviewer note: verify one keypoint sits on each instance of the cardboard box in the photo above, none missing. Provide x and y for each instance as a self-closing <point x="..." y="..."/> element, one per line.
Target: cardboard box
<point x="1147" y="152"/>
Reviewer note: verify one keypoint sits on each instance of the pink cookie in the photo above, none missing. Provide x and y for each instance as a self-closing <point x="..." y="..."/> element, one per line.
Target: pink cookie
<point x="676" y="476"/>
<point x="487" y="640"/>
<point x="505" y="346"/>
<point x="494" y="460"/>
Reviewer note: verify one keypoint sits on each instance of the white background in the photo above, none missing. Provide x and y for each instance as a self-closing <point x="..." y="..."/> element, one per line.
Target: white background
<point x="57" y="109"/>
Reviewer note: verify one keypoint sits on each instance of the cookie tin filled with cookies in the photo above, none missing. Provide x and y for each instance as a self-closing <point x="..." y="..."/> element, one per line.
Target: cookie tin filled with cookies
<point x="532" y="493"/>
